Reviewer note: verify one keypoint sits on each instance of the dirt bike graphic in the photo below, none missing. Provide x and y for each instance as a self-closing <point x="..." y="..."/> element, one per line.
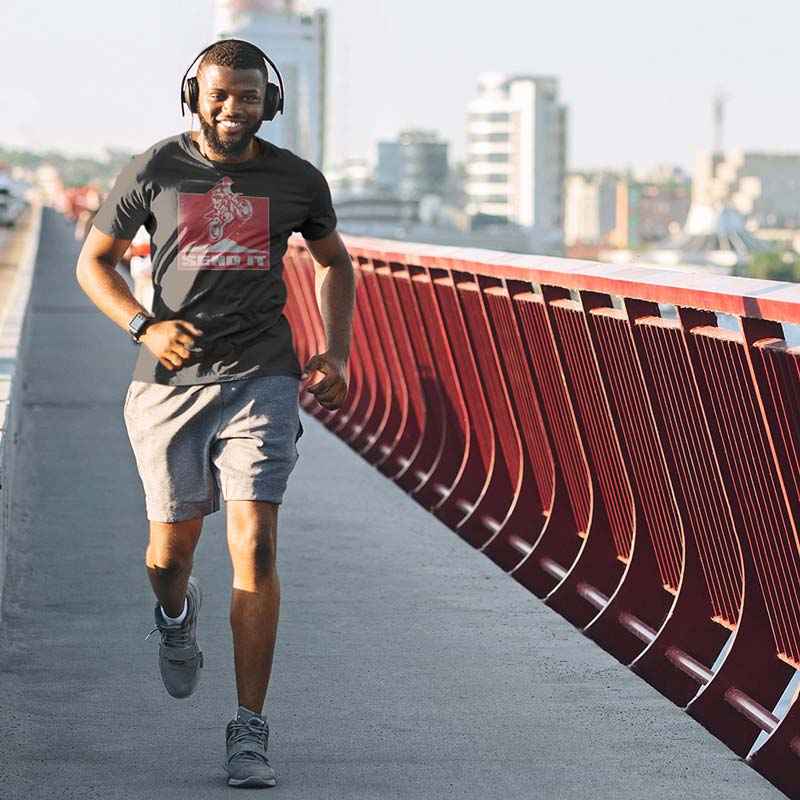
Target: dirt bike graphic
<point x="227" y="206"/>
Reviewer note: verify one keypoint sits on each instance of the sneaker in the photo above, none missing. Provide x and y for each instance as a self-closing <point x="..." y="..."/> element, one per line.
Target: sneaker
<point x="179" y="656"/>
<point x="246" y="740"/>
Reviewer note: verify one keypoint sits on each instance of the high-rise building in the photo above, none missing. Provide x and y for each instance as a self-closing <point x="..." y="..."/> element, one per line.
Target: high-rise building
<point x="296" y="40"/>
<point x="591" y="207"/>
<point x="413" y="165"/>
<point x="764" y="187"/>
<point x="517" y="144"/>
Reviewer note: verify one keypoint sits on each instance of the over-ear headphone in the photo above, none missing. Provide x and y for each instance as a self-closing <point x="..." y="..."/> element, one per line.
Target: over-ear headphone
<point x="273" y="97"/>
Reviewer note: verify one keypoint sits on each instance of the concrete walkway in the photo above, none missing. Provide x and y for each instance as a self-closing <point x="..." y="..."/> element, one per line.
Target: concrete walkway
<point x="407" y="665"/>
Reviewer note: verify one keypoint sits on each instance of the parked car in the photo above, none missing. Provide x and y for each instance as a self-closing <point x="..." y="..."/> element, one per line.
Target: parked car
<point x="12" y="203"/>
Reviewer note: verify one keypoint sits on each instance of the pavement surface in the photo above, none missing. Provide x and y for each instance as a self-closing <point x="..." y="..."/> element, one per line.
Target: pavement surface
<point x="407" y="664"/>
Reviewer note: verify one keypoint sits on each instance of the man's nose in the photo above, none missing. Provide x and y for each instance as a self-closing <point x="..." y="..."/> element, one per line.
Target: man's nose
<point x="232" y="105"/>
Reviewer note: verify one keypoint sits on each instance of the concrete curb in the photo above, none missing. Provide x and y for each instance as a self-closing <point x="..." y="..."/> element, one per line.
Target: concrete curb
<point x="13" y="349"/>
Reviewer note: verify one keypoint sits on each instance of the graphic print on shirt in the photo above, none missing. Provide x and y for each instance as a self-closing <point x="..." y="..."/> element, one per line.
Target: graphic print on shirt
<point x="222" y="229"/>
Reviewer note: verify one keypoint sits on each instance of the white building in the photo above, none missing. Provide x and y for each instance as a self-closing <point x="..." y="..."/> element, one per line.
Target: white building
<point x="516" y="160"/>
<point x="764" y="187"/>
<point x="351" y="177"/>
<point x="591" y="207"/>
<point x="296" y="40"/>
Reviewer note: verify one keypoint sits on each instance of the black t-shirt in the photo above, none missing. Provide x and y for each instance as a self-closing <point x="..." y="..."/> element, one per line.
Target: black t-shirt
<point x="218" y="234"/>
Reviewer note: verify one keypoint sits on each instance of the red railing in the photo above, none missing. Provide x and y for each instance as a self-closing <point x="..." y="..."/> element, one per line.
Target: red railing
<point x="599" y="435"/>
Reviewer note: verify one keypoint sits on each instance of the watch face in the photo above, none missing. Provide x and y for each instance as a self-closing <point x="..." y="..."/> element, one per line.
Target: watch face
<point x="137" y="322"/>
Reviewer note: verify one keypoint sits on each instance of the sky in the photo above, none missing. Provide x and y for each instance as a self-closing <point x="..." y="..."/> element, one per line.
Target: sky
<point x="638" y="78"/>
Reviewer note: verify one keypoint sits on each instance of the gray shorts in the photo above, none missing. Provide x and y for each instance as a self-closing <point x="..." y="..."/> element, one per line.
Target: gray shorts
<point x="191" y="442"/>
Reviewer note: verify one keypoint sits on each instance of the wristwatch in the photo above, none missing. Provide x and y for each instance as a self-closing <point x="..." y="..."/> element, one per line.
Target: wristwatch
<point x="138" y="325"/>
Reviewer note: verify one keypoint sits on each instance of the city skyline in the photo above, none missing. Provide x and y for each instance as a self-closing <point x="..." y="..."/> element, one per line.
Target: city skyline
<point x="637" y="94"/>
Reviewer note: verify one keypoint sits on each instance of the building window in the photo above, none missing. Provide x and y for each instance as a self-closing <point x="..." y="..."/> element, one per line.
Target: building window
<point x="498" y="158"/>
<point x="489" y="137"/>
<point x="492" y="116"/>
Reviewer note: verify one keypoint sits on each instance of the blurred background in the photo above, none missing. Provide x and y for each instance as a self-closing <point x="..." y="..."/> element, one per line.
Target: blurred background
<point x="621" y="131"/>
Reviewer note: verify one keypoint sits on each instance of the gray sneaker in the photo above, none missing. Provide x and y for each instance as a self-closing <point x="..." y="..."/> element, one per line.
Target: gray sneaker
<point x="179" y="656"/>
<point x="246" y="740"/>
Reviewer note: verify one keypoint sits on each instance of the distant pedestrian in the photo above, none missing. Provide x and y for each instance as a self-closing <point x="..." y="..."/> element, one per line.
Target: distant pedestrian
<point x="142" y="268"/>
<point x="88" y="204"/>
<point x="213" y="405"/>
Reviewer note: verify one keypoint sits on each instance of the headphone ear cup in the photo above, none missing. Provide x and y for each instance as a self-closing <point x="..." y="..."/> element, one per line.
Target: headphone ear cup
<point x="272" y="101"/>
<point x="191" y="93"/>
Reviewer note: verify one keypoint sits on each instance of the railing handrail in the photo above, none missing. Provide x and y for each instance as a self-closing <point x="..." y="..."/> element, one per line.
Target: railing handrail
<point x="723" y="294"/>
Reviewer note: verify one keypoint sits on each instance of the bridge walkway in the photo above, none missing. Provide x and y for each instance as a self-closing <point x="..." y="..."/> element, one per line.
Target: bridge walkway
<point x="407" y="665"/>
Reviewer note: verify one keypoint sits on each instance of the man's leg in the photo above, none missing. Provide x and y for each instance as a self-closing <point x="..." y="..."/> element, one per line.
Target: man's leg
<point x="169" y="564"/>
<point x="252" y="540"/>
<point x="169" y="561"/>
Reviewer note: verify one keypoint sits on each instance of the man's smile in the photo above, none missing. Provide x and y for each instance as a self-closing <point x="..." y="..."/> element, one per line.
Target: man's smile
<point x="232" y="125"/>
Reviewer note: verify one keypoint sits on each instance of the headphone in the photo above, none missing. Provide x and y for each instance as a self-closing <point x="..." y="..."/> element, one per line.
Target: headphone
<point x="273" y="97"/>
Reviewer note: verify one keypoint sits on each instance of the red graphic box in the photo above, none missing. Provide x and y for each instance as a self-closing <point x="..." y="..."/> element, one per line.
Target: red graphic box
<point x="222" y="229"/>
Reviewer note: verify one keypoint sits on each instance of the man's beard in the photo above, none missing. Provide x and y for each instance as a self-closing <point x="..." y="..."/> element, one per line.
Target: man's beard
<point x="222" y="147"/>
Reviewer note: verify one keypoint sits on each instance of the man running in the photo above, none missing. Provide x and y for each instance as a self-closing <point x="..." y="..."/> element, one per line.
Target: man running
<point x="213" y="405"/>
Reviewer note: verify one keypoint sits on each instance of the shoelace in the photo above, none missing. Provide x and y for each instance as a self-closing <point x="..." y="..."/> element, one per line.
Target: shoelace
<point x="244" y="733"/>
<point x="173" y="635"/>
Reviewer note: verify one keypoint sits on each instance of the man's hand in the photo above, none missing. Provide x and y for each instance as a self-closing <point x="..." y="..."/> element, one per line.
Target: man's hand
<point x="171" y="342"/>
<point x="331" y="389"/>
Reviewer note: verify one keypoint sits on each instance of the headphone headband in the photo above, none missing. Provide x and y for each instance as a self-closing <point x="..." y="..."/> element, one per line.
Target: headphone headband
<point x="273" y="97"/>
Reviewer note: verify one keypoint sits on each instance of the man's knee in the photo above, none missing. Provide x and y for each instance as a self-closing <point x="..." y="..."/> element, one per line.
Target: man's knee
<point x="171" y="547"/>
<point x="167" y="562"/>
<point x="252" y="546"/>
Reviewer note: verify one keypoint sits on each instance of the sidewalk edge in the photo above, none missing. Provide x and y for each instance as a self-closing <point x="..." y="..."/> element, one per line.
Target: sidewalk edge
<point x="13" y="350"/>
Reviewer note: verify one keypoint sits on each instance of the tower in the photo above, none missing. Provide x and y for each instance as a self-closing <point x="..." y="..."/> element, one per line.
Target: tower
<point x="296" y="40"/>
<point x="719" y="121"/>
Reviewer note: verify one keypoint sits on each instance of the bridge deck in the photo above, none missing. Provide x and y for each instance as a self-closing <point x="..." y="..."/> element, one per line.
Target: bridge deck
<point x="407" y="665"/>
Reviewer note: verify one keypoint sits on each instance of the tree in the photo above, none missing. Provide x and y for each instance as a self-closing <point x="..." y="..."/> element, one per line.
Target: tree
<point x="775" y="266"/>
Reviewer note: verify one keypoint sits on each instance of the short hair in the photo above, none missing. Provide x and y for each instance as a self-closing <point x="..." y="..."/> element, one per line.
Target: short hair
<point x="234" y="54"/>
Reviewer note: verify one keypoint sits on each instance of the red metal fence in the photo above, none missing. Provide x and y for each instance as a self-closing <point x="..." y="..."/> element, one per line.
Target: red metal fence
<point x="597" y="433"/>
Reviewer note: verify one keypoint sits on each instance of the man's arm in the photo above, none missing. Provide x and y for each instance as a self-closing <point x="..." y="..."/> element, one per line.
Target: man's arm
<point x="335" y="289"/>
<point x="107" y="289"/>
